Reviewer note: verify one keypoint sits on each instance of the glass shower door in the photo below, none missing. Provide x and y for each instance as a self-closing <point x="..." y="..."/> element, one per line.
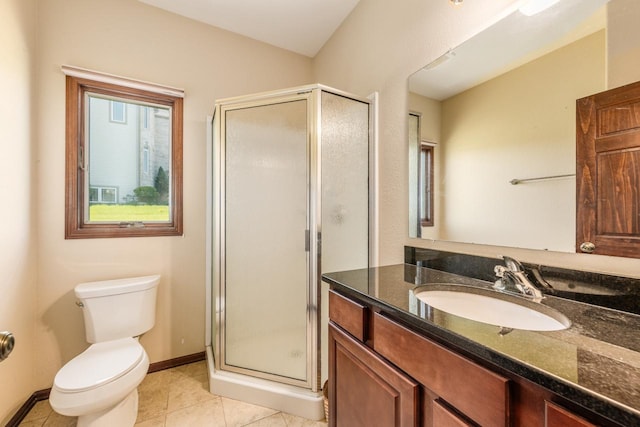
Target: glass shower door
<point x="266" y="218"/>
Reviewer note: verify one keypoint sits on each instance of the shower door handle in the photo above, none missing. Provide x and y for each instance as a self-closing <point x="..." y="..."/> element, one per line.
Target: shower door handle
<point x="307" y="241"/>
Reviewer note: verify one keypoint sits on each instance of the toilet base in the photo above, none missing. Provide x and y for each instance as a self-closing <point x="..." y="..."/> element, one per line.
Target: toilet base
<point x="123" y="414"/>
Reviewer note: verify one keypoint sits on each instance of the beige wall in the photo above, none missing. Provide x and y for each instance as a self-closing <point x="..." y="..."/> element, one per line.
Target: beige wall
<point x="377" y="48"/>
<point x="379" y="45"/>
<point x="18" y="211"/>
<point x="431" y="111"/>
<point x="129" y="38"/>
<point x="623" y="49"/>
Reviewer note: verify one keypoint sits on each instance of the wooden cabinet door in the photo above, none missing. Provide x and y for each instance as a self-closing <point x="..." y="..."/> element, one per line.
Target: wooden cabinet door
<point x="365" y="390"/>
<point x="556" y="416"/>
<point x="479" y="393"/>
<point x="608" y="172"/>
<point x="445" y="417"/>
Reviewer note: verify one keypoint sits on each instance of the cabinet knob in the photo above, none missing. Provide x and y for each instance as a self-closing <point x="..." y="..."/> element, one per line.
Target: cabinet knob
<point x="587" y="247"/>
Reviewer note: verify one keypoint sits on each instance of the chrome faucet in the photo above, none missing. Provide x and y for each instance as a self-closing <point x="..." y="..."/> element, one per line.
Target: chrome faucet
<point x="512" y="274"/>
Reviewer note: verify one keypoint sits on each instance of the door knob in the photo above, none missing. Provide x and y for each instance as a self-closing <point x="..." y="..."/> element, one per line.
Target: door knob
<point x="587" y="247"/>
<point x="6" y="344"/>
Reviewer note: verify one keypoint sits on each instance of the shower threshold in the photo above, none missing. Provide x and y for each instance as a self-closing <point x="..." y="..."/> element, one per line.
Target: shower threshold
<point x="282" y="397"/>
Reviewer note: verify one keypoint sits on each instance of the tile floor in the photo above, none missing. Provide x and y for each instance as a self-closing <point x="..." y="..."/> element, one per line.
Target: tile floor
<point x="180" y="397"/>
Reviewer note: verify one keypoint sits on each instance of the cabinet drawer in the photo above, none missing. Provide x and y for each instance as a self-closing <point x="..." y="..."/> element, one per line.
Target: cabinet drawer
<point x="480" y="394"/>
<point x="556" y="416"/>
<point x="351" y="316"/>
<point x="444" y="417"/>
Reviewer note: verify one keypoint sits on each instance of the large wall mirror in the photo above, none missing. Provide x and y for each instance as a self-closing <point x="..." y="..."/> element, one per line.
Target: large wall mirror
<point x="499" y="115"/>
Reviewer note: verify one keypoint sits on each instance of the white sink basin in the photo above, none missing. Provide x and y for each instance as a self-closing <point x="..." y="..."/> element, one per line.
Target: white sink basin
<point x="492" y="307"/>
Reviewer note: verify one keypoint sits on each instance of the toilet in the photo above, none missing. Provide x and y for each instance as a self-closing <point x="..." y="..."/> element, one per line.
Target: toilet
<point x="99" y="386"/>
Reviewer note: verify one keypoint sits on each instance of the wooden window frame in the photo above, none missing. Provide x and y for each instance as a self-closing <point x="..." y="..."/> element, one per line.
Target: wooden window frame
<point x="75" y="225"/>
<point x="425" y="189"/>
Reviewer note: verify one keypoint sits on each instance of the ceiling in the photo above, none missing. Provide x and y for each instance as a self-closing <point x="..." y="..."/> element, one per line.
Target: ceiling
<point x="301" y="26"/>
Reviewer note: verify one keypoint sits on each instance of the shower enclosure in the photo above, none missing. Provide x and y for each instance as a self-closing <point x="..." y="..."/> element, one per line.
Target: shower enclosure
<point x="290" y="200"/>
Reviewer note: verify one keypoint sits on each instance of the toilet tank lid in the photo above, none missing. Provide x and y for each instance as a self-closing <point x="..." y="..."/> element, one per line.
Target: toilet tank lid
<point x="116" y="286"/>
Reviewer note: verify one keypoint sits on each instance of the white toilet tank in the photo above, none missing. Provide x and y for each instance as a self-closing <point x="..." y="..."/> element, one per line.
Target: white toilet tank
<point x="121" y="308"/>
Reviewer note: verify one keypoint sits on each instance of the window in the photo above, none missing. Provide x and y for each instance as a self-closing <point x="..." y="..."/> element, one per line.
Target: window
<point x="421" y="178"/>
<point x="123" y="174"/>
<point x="118" y="112"/>
<point x="145" y="160"/>
<point x="145" y="117"/>
<point x="425" y="184"/>
<point x="103" y="195"/>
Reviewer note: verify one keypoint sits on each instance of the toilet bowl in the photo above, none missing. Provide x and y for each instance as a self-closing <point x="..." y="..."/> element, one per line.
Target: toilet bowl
<point x="99" y="386"/>
<point x="99" y="378"/>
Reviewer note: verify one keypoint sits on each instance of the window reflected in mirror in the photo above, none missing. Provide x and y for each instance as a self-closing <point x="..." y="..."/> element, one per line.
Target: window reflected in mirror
<point x="421" y="176"/>
<point x="425" y="184"/>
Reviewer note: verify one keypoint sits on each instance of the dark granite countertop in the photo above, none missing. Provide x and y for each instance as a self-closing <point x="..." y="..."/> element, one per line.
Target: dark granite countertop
<point x="595" y="363"/>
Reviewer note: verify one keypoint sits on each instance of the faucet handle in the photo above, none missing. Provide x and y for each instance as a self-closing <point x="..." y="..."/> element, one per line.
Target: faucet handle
<point x="499" y="270"/>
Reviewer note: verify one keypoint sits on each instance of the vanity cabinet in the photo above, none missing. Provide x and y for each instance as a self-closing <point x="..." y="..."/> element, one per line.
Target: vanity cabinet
<point x="385" y="384"/>
<point x="365" y="390"/>
<point x="382" y="373"/>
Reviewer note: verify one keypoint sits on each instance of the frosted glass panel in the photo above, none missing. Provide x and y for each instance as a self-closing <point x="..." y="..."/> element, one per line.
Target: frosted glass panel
<point x="266" y="218"/>
<point x="345" y="181"/>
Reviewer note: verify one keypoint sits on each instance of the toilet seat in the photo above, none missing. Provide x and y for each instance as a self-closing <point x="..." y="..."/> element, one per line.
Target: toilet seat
<point x="101" y="363"/>
<point x="78" y="392"/>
